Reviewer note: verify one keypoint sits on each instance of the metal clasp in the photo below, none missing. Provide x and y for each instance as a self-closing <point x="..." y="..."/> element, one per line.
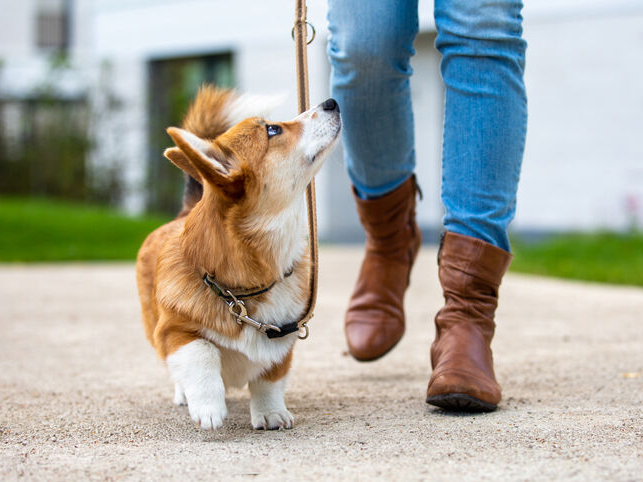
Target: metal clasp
<point x="235" y="303"/>
<point x="306" y="332"/>
<point x="312" y="36"/>
<point x="242" y="315"/>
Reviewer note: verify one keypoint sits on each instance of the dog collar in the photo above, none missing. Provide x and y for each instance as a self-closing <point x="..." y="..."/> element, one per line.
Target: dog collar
<point x="229" y="295"/>
<point x="237" y="308"/>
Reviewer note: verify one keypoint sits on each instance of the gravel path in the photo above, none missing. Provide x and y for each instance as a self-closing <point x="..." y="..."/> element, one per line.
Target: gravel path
<point x="83" y="396"/>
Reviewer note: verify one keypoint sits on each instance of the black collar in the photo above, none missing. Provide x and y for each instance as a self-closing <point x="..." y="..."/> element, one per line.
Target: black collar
<point x="233" y="299"/>
<point x="209" y="280"/>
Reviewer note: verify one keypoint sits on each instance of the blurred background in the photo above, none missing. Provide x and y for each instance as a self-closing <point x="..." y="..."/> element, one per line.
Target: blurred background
<point x="87" y="88"/>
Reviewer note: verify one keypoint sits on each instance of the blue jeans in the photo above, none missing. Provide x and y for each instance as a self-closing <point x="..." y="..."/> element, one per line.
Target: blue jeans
<point x="483" y="59"/>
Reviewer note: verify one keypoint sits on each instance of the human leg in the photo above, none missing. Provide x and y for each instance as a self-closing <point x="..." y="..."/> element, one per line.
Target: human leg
<point x="483" y="60"/>
<point x="370" y="48"/>
<point x="484" y="132"/>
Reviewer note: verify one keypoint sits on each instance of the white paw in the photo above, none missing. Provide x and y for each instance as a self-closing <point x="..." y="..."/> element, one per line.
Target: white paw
<point x="209" y="414"/>
<point x="196" y="370"/>
<point x="179" y="395"/>
<point x="273" y="420"/>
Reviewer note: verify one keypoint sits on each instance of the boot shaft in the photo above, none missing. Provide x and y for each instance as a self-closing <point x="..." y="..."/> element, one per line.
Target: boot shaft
<point x="375" y="315"/>
<point x="470" y="271"/>
<point x="389" y="221"/>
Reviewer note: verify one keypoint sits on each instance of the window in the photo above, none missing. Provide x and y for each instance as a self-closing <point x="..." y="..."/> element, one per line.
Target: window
<point x="52" y="24"/>
<point x="172" y="85"/>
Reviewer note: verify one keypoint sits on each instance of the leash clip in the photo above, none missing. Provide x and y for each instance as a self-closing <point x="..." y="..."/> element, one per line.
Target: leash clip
<point x="242" y="315"/>
<point x="312" y="29"/>
<point x="304" y="335"/>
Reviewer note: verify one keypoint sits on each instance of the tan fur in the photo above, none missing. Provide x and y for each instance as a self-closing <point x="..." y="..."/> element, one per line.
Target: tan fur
<point x="176" y="304"/>
<point x="242" y="222"/>
<point x="206" y="117"/>
<point x="279" y="370"/>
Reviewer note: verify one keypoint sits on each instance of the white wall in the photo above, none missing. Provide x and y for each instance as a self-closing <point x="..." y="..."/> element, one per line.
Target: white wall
<point x="584" y="78"/>
<point x="584" y="155"/>
<point x="25" y="66"/>
<point x="17" y="29"/>
<point x="427" y="92"/>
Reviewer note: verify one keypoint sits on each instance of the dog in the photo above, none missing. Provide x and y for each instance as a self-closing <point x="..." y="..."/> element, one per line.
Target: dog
<point x="237" y="247"/>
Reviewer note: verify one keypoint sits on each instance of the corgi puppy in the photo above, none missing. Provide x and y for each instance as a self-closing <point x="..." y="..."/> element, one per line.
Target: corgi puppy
<point x="238" y="245"/>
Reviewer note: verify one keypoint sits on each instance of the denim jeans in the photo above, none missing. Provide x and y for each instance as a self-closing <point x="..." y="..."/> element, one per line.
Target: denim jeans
<point x="483" y="59"/>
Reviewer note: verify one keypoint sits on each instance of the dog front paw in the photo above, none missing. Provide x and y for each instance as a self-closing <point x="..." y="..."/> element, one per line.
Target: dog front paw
<point x="273" y="420"/>
<point x="267" y="408"/>
<point x="196" y="370"/>
<point x="208" y="415"/>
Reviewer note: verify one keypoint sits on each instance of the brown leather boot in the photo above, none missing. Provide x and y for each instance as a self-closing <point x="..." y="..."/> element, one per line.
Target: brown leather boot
<point x="375" y="316"/>
<point x="470" y="271"/>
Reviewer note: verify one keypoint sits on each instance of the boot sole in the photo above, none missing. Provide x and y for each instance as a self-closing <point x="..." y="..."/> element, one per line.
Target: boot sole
<point x="459" y="402"/>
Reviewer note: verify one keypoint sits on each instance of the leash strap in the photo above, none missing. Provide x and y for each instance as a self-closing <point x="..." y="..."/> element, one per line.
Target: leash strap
<point x="301" y="65"/>
<point x="234" y="301"/>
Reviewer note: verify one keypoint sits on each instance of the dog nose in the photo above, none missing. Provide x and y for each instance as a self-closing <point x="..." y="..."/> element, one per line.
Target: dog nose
<point x="330" y="104"/>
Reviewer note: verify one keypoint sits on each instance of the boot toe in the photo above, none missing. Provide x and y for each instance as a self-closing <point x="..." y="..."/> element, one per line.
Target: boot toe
<point x="463" y="392"/>
<point x="370" y="341"/>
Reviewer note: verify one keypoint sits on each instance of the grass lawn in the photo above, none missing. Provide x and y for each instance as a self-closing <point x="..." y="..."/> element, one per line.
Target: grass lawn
<point x="48" y="230"/>
<point x="603" y="257"/>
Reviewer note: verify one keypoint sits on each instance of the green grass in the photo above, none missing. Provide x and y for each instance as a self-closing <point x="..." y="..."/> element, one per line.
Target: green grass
<point x="47" y="230"/>
<point x="603" y="257"/>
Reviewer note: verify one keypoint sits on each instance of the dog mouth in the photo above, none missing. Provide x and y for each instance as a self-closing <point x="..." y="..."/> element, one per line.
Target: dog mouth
<point x="323" y="151"/>
<point x="330" y="145"/>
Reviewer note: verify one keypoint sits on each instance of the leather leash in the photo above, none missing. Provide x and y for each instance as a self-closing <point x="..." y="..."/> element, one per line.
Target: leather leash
<point x="301" y="65"/>
<point x="235" y="303"/>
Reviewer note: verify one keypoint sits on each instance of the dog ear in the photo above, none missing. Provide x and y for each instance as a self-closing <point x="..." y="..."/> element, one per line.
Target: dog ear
<point x="180" y="160"/>
<point x="207" y="159"/>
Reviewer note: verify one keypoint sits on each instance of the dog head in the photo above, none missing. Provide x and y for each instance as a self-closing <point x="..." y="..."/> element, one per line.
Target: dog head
<point x="260" y="161"/>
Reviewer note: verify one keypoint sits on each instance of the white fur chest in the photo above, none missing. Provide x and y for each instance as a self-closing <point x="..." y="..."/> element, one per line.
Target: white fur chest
<point x="246" y="357"/>
<point x="252" y="353"/>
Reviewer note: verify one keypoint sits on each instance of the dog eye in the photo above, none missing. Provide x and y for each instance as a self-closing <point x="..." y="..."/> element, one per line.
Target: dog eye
<point x="273" y="130"/>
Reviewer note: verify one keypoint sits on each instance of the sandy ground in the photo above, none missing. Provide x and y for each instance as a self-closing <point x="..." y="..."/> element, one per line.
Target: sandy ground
<point x="83" y="396"/>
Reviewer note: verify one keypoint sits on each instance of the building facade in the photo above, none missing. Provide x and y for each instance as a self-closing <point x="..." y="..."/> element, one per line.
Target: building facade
<point x="583" y="166"/>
